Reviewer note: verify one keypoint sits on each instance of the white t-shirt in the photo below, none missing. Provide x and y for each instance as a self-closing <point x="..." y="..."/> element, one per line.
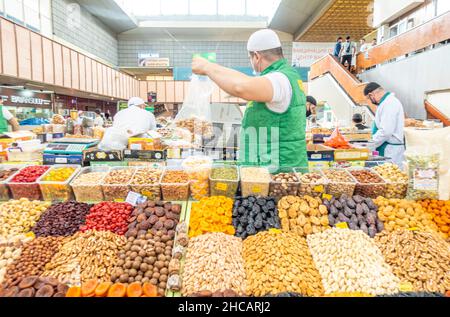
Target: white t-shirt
<point x="282" y="92"/>
<point x="6" y="114"/>
<point x="135" y="119"/>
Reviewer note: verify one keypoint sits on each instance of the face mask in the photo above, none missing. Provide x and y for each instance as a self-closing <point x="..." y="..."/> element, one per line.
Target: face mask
<point x="255" y="73"/>
<point x="376" y="103"/>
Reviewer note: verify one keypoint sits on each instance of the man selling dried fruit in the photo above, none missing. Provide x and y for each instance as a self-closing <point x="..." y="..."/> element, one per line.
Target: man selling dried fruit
<point x="273" y="128"/>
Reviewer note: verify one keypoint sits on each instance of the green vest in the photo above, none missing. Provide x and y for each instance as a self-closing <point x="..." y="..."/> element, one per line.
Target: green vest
<point x="276" y="139"/>
<point x="3" y="122"/>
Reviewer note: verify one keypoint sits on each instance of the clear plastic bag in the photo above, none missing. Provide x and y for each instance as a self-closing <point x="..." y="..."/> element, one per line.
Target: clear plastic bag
<point x="114" y="139"/>
<point x="423" y="174"/>
<point x="195" y="115"/>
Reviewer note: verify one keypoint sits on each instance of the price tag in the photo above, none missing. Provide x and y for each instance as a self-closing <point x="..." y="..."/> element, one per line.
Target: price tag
<point x="119" y="200"/>
<point x="135" y="199"/>
<point x="318" y="188"/>
<point x="405" y="287"/>
<point x="414" y="229"/>
<point x="256" y="189"/>
<point x="342" y="225"/>
<point x="277" y="231"/>
<point x="327" y="197"/>
<point x="30" y="235"/>
<point x="221" y="186"/>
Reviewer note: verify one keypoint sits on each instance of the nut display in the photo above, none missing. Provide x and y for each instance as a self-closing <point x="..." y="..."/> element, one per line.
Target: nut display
<point x="10" y="250"/>
<point x="35" y="255"/>
<point x="146" y="182"/>
<point x="23" y="184"/>
<point x="254" y="214"/>
<point x="214" y="263"/>
<point x="339" y="182"/>
<point x="255" y="181"/>
<point x="198" y="169"/>
<point x="350" y="261"/>
<point x="312" y="184"/>
<point x="226" y="293"/>
<point x="175" y="185"/>
<point x="423" y="174"/>
<point x="359" y="213"/>
<point x="441" y="214"/>
<point x="420" y="258"/>
<point x="62" y="219"/>
<point x="19" y="216"/>
<point x="404" y="214"/>
<point x="86" y="255"/>
<point x="397" y="180"/>
<point x="153" y="217"/>
<point x="145" y="259"/>
<point x="5" y="173"/>
<point x="224" y="181"/>
<point x="212" y="214"/>
<point x="369" y="184"/>
<point x="115" y="185"/>
<point x="196" y="126"/>
<point x="109" y="216"/>
<point x="280" y="262"/>
<point x="35" y="286"/>
<point x="87" y="187"/>
<point x="283" y="184"/>
<point x="54" y="184"/>
<point x="303" y="216"/>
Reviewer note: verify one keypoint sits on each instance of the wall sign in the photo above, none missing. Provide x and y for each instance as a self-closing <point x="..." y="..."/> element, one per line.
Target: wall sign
<point x="24" y="98"/>
<point x="304" y="54"/>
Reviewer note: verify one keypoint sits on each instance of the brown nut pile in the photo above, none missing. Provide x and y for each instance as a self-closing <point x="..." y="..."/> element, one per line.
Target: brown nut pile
<point x="349" y="261"/>
<point x="19" y="216"/>
<point x="226" y="293"/>
<point x="10" y="250"/>
<point x="145" y="259"/>
<point x="369" y="184"/>
<point x="283" y="184"/>
<point x="88" y="255"/>
<point x="420" y="258"/>
<point x="34" y="286"/>
<point x="153" y="217"/>
<point x="280" y="262"/>
<point x="115" y="186"/>
<point x="404" y="214"/>
<point x="175" y="185"/>
<point x="312" y="184"/>
<point x="87" y="187"/>
<point x="397" y="180"/>
<point x="35" y="255"/>
<point x="303" y="216"/>
<point x="214" y="263"/>
<point x="174" y="282"/>
<point x="339" y="182"/>
<point x="146" y="182"/>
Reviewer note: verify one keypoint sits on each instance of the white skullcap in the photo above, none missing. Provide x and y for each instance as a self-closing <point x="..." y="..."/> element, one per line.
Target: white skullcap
<point x="135" y="101"/>
<point x="263" y="40"/>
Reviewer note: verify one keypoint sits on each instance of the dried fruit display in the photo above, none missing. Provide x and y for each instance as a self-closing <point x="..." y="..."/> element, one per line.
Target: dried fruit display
<point x="303" y="216"/>
<point x="280" y="262"/>
<point x="109" y="216"/>
<point x="440" y="210"/>
<point x="349" y="261"/>
<point x="420" y="258"/>
<point x="35" y="286"/>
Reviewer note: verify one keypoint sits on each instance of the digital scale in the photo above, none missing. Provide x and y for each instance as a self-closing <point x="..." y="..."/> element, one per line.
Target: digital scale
<point x="67" y="151"/>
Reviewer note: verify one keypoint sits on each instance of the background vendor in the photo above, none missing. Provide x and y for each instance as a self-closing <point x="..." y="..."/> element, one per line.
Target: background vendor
<point x="273" y="128"/>
<point x="135" y="119"/>
<point x="6" y="118"/>
<point x="388" y="134"/>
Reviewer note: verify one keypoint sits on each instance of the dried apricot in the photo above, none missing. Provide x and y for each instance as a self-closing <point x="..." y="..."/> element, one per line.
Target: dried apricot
<point x="28" y="282"/>
<point x="45" y="291"/>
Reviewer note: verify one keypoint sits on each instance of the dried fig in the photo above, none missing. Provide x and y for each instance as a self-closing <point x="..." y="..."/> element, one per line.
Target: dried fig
<point x="27" y="292"/>
<point x="28" y="282"/>
<point x="159" y="211"/>
<point x="176" y="209"/>
<point x="45" y="291"/>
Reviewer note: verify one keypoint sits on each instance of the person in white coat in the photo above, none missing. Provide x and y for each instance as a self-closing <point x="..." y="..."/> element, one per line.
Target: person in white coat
<point x="388" y="130"/>
<point x="135" y="119"/>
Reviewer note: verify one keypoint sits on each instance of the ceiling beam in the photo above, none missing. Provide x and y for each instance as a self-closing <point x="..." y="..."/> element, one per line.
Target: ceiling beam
<point x="313" y="19"/>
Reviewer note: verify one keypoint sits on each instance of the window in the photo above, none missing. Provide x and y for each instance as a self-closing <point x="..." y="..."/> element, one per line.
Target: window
<point x="14" y="10"/>
<point x="31" y="10"/>
<point x="443" y="6"/>
<point x="2" y="6"/>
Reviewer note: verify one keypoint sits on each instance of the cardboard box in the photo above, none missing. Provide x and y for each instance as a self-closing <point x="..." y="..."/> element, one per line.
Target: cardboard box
<point x="72" y="159"/>
<point x="319" y="165"/>
<point x="357" y="154"/>
<point x="319" y="152"/>
<point x="145" y="155"/>
<point x="145" y="144"/>
<point x="112" y="163"/>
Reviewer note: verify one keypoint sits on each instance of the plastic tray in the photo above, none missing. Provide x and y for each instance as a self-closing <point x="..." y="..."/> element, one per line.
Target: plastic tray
<point x="198" y="175"/>
<point x="117" y="192"/>
<point x="255" y="188"/>
<point x="174" y="191"/>
<point x="224" y="187"/>
<point x="152" y="190"/>
<point x="279" y="189"/>
<point x="58" y="191"/>
<point x="5" y="193"/>
<point x="90" y="192"/>
<point x="369" y="190"/>
<point x="314" y="188"/>
<point x="337" y="189"/>
<point x="32" y="191"/>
